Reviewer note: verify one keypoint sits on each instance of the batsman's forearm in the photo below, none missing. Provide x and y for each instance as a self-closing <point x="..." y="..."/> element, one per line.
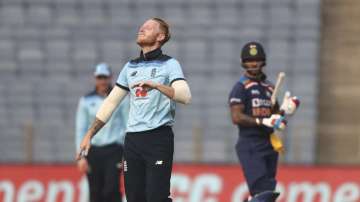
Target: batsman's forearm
<point x="95" y="127"/>
<point x="245" y="120"/>
<point x="240" y="118"/>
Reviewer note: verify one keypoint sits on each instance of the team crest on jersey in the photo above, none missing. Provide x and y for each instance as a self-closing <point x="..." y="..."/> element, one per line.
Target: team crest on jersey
<point x="255" y="92"/>
<point x="133" y="73"/>
<point x="153" y="72"/>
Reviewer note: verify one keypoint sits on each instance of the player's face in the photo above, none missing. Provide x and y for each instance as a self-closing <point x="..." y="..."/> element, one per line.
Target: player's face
<point x="149" y="34"/>
<point x="102" y="82"/>
<point x="254" y="67"/>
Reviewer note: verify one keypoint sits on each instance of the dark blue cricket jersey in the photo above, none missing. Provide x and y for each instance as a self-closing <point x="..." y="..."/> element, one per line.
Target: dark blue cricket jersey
<point x="256" y="97"/>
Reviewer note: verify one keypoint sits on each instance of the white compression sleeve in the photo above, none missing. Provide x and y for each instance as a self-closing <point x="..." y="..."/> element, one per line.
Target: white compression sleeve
<point x="110" y="103"/>
<point x="182" y="92"/>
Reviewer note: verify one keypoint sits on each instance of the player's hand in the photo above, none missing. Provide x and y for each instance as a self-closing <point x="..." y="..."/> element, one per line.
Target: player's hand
<point x="84" y="147"/>
<point x="147" y="85"/>
<point x="290" y="104"/>
<point x="276" y="121"/>
<point x="83" y="165"/>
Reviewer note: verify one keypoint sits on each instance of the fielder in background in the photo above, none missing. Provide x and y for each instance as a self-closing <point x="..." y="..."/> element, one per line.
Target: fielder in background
<point x="155" y="82"/>
<point x="103" y="163"/>
<point x="257" y="118"/>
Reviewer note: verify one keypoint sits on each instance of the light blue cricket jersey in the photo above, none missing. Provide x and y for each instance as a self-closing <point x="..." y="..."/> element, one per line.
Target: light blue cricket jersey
<point x="114" y="129"/>
<point x="150" y="109"/>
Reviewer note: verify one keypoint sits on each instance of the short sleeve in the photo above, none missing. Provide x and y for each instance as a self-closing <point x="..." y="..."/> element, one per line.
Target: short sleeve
<point x="237" y="94"/>
<point x="176" y="72"/>
<point x="122" y="80"/>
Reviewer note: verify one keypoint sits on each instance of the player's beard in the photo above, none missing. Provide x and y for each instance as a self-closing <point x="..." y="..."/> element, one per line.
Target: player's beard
<point x="146" y="41"/>
<point x="256" y="72"/>
<point x="258" y="76"/>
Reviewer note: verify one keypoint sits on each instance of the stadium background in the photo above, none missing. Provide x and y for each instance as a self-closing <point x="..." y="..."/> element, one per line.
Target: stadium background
<point x="48" y="49"/>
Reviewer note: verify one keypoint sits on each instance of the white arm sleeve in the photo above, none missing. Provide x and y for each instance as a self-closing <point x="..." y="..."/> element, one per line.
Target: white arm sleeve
<point x="182" y="92"/>
<point x="110" y="103"/>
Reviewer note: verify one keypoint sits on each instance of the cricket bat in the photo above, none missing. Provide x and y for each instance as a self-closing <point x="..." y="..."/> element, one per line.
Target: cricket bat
<point x="278" y="84"/>
<point x="275" y="139"/>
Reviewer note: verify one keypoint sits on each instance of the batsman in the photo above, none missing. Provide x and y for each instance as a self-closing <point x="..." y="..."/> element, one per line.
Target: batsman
<point x="257" y="118"/>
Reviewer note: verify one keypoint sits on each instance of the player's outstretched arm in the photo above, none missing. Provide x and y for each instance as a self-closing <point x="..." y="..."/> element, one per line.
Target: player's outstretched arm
<point x="102" y="116"/>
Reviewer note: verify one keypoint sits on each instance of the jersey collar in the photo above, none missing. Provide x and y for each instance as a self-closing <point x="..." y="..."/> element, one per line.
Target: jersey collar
<point x="152" y="55"/>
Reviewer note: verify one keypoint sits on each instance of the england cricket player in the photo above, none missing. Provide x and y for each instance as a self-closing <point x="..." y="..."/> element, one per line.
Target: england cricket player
<point x="103" y="164"/>
<point x="155" y="82"/>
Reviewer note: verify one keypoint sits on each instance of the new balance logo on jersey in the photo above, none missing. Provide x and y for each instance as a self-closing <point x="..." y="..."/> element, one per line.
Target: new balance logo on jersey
<point x="158" y="162"/>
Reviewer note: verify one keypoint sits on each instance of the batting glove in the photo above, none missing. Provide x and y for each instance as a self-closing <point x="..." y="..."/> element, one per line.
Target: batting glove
<point x="276" y="121"/>
<point x="290" y="104"/>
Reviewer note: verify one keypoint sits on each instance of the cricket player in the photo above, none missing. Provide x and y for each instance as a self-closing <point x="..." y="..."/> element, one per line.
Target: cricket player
<point x="155" y="82"/>
<point x="103" y="163"/>
<point x="252" y="111"/>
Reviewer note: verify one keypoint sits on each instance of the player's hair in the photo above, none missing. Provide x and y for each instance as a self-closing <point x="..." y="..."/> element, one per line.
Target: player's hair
<point x="164" y="26"/>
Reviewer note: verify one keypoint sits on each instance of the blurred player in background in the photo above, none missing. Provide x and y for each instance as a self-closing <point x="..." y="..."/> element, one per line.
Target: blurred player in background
<point x="256" y="118"/>
<point x="155" y="82"/>
<point x="103" y="163"/>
